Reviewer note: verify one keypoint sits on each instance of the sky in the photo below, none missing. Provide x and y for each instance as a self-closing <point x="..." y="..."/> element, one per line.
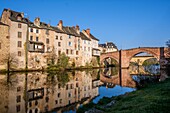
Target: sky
<point x="127" y="23"/>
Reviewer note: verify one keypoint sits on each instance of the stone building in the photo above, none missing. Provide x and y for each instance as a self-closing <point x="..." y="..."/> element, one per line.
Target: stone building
<point x="4" y="45"/>
<point x="108" y="47"/>
<point x="34" y="43"/>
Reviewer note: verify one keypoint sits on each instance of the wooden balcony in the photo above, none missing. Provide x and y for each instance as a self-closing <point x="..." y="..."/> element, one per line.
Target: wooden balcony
<point x="36" y="46"/>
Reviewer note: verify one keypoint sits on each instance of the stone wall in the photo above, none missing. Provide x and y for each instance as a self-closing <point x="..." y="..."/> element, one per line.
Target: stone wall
<point x="4" y="43"/>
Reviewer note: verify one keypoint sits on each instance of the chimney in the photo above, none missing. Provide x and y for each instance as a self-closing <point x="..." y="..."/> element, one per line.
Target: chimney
<point x="48" y="25"/>
<point x="37" y="21"/>
<point x="88" y="31"/>
<point x="78" y="29"/>
<point x="60" y="24"/>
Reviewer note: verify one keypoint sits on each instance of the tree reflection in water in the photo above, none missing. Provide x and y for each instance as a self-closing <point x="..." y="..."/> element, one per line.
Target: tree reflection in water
<point x="55" y="91"/>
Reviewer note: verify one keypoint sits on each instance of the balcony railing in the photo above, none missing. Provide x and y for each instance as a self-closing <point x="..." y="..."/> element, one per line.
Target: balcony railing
<point x="95" y="52"/>
<point x="36" y="46"/>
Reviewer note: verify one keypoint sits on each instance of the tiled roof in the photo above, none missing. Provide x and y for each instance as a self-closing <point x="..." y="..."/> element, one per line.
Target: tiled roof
<point x="70" y="31"/>
<point x="102" y="45"/>
<point x="84" y="37"/>
<point x="65" y="29"/>
<point x="94" y="38"/>
<point x="108" y="44"/>
<point x="14" y="14"/>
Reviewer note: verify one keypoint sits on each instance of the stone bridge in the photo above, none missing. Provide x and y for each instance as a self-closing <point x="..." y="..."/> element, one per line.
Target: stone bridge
<point x="123" y="57"/>
<point x="140" y="59"/>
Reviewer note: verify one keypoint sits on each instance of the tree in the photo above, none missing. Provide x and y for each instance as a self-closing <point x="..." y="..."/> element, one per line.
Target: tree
<point x="52" y="57"/>
<point x="168" y="43"/>
<point x="11" y="61"/>
<point x="63" y="60"/>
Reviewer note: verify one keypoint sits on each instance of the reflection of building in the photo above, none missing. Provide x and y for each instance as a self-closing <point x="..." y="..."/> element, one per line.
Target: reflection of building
<point x="108" y="47"/>
<point x="36" y="92"/>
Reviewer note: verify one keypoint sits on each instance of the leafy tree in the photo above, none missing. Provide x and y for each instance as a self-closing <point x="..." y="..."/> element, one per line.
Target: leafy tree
<point x="168" y="59"/>
<point x="168" y="43"/>
<point x="63" y="60"/>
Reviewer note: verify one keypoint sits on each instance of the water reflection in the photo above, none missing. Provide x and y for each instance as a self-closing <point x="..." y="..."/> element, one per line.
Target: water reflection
<point x="61" y="92"/>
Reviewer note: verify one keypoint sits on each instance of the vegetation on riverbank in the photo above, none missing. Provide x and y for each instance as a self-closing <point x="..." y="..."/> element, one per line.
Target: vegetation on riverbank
<point x="153" y="98"/>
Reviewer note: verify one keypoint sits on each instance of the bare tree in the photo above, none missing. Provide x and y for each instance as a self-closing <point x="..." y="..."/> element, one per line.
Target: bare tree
<point x="11" y="61"/>
<point x="52" y="56"/>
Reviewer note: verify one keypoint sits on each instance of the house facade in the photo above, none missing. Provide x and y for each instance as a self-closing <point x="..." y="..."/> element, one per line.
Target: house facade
<point x="108" y="47"/>
<point x="34" y="43"/>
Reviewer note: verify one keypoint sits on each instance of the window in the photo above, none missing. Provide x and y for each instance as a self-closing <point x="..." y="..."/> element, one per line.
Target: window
<point x="71" y="51"/>
<point x="19" y="25"/>
<point x="67" y="51"/>
<point x="59" y="52"/>
<point x="0" y="45"/>
<point x="19" y="34"/>
<point x="18" y="89"/>
<point x="37" y="31"/>
<point x="88" y="48"/>
<point x="31" y="38"/>
<point x="37" y="39"/>
<point x="19" y="53"/>
<point x="60" y="37"/>
<point x="77" y="53"/>
<point x="18" y="108"/>
<point x="30" y="111"/>
<point x="69" y="94"/>
<point x="47" y="99"/>
<point x="36" y="110"/>
<point x="36" y="102"/>
<point x="58" y="95"/>
<point x="84" y="41"/>
<point x="30" y="104"/>
<point x="69" y="36"/>
<point x="19" y="44"/>
<point x="60" y="101"/>
<point x="47" y="41"/>
<point x="56" y="38"/>
<point x="59" y="86"/>
<point x="56" y="101"/>
<point x="31" y="30"/>
<point x="18" y="98"/>
<point x="69" y="43"/>
<point x="59" y="44"/>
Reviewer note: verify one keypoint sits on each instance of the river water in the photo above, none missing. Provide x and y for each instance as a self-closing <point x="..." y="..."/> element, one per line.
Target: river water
<point x="62" y="92"/>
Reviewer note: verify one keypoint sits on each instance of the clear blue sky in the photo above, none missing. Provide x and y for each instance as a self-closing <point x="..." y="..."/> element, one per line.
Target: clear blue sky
<point x="127" y="23"/>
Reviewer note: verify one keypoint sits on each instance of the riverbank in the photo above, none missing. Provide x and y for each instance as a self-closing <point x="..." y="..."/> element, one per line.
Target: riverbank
<point x="153" y="98"/>
<point x="50" y="69"/>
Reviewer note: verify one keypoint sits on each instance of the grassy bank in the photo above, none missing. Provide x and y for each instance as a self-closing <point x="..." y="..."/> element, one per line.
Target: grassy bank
<point x="154" y="98"/>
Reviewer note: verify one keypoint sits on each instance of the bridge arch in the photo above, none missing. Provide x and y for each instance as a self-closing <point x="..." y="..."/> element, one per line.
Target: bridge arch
<point x="113" y="55"/>
<point x="132" y="52"/>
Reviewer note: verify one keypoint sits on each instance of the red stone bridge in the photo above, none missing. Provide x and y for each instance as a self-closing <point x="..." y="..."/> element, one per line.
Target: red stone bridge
<point x="123" y="57"/>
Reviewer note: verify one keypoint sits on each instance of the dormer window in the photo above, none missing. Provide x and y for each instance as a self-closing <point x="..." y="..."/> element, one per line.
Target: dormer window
<point x="47" y="32"/>
<point x="19" y="17"/>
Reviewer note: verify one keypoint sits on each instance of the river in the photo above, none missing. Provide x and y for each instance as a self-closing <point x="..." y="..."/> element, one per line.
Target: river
<point x="63" y="92"/>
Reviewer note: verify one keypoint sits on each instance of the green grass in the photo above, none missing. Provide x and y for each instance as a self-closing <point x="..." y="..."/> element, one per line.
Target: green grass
<point x="154" y="98"/>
